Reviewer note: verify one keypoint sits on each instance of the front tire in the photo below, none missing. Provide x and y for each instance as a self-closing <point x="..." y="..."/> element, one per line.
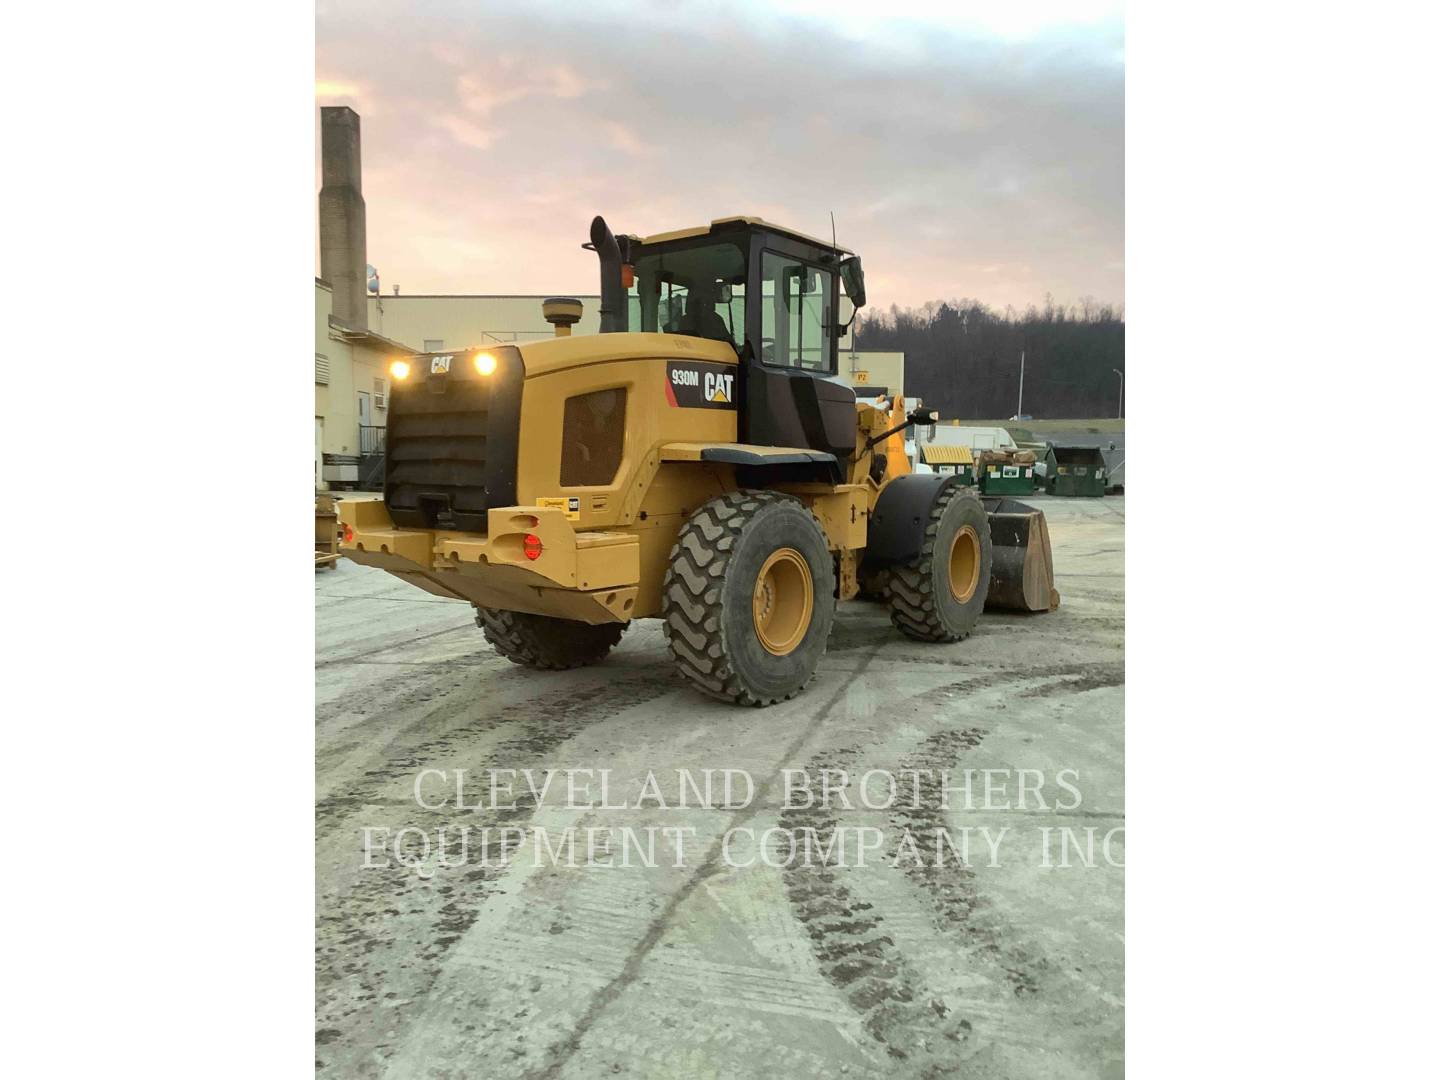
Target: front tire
<point x="749" y="598"/>
<point x="541" y="641"/>
<point x="939" y="594"/>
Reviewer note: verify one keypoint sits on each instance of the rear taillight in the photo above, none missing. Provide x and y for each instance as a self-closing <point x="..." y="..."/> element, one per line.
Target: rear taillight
<point x="533" y="547"/>
<point x="349" y="534"/>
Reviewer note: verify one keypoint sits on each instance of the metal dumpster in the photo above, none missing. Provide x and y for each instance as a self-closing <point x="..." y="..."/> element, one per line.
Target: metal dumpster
<point x="1006" y="472"/>
<point x="1076" y="470"/>
<point x="950" y="459"/>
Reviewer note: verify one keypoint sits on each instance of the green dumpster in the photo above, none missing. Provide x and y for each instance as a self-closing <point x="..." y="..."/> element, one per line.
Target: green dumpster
<point x="1075" y="471"/>
<point x="950" y="459"/>
<point x="1007" y="477"/>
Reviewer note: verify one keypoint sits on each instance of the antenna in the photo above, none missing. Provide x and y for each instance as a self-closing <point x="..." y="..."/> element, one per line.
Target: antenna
<point x="832" y="230"/>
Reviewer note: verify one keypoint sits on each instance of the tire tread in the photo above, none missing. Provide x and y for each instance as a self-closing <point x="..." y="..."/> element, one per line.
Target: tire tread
<point x="535" y="641"/>
<point x="692" y="595"/>
<point x="910" y="587"/>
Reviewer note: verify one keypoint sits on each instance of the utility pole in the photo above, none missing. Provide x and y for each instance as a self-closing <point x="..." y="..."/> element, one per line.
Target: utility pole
<point x="1020" y="404"/>
<point x="1120" y="412"/>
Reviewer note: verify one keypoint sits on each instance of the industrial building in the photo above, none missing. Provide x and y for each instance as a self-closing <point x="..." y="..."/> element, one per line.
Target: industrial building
<point x="351" y="361"/>
<point x="433" y="323"/>
<point x="359" y="331"/>
<point x="351" y="390"/>
<point x="871" y="373"/>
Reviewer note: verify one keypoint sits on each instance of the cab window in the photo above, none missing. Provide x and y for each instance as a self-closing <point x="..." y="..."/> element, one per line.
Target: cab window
<point x="699" y="291"/>
<point x="798" y="326"/>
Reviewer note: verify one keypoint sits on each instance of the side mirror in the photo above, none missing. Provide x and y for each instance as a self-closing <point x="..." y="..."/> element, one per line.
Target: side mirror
<point x="725" y="293"/>
<point x="853" y="279"/>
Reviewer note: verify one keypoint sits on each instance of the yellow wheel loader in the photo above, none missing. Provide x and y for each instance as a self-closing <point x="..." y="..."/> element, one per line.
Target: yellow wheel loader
<point x="696" y="461"/>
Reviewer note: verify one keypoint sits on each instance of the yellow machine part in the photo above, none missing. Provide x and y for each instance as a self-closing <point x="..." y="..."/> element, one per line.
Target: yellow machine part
<point x="896" y="461"/>
<point x="602" y="549"/>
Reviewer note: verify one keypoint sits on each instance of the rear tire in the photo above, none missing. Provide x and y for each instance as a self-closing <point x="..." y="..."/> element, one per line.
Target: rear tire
<point x="939" y="594"/>
<point x="540" y="641"/>
<point x="749" y="598"/>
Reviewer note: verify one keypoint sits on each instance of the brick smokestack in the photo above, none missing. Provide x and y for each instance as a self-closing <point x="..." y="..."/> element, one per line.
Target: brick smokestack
<point x="342" y="214"/>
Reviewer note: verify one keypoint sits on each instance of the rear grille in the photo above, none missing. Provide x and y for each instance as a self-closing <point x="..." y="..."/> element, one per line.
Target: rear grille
<point x="452" y="443"/>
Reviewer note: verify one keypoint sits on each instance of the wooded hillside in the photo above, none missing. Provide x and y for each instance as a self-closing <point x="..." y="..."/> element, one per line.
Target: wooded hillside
<point x="963" y="357"/>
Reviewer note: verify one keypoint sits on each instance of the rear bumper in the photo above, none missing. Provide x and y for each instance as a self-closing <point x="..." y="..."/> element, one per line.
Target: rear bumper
<point x="590" y="577"/>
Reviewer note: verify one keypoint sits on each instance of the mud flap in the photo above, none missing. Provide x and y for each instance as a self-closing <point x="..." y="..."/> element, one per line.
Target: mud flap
<point x="1022" y="576"/>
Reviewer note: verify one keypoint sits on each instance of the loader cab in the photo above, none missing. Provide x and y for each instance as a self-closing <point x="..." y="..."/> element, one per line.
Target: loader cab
<point x="776" y="297"/>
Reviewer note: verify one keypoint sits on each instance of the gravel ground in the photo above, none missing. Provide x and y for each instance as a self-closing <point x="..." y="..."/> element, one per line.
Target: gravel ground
<point x="725" y="965"/>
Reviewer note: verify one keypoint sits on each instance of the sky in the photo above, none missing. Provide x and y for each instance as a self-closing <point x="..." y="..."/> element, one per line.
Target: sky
<point x="977" y="153"/>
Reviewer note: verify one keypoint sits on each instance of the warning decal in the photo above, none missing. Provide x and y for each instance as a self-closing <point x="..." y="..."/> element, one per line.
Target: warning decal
<point x="571" y="506"/>
<point x="694" y="384"/>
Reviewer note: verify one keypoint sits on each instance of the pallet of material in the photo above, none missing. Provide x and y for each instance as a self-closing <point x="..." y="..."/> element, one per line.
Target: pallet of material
<point x="327" y="532"/>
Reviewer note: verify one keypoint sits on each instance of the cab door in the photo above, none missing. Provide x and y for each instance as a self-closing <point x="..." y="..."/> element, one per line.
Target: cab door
<point x="792" y="397"/>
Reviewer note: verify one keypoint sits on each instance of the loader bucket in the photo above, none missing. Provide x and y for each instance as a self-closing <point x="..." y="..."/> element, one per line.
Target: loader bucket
<point x="1022" y="576"/>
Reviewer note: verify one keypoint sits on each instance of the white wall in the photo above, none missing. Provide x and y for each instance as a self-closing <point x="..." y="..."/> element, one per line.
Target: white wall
<point x="462" y="322"/>
<point x="885" y="369"/>
<point x="353" y="367"/>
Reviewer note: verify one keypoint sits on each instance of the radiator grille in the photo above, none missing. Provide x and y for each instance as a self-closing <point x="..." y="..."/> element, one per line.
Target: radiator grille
<point x="452" y="443"/>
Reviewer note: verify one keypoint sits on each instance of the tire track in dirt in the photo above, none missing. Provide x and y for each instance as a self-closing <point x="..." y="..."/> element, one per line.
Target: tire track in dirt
<point x="370" y="977"/>
<point x="1086" y="677"/>
<point x="859" y="959"/>
<point x="402" y="698"/>
<point x="416" y="702"/>
<point x="565" y="1049"/>
<point x="398" y="642"/>
<point x="957" y="906"/>
<point x="847" y="936"/>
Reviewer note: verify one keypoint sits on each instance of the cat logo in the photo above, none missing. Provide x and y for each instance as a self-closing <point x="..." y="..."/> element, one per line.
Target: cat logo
<point x="719" y="387"/>
<point x="439" y="365"/>
<point x="700" y="385"/>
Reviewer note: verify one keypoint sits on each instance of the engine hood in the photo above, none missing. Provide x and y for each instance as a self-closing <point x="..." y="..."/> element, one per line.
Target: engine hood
<point x="562" y="353"/>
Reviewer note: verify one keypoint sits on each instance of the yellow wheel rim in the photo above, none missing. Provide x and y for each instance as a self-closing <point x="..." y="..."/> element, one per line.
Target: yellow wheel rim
<point x="784" y="601"/>
<point x="964" y="564"/>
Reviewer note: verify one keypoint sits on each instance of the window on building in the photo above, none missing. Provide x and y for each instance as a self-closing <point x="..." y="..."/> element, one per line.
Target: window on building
<point x="593" y="438"/>
<point x="322" y="370"/>
<point x="379" y="393"/>
<point x="797" y="325"/>
<point x="434" y="345"/>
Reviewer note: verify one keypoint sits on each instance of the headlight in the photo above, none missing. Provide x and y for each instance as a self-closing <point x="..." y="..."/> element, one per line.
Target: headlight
<point x="485" y="363"/>
<point x="399" y="370"/>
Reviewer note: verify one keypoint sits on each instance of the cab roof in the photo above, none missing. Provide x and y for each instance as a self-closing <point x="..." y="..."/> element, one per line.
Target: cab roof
<point x="731" y="223"/>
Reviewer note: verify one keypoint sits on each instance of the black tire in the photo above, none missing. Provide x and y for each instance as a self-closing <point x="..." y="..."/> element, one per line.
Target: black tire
<point x="922" y="603"/>
<point x="540" y="641"/>
<point x="710" y="625"/>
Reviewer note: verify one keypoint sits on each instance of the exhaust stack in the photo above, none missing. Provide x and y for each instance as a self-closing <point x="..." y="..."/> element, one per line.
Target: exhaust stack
<point x="614" y="302"/>
<point x="342" y="214"/>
